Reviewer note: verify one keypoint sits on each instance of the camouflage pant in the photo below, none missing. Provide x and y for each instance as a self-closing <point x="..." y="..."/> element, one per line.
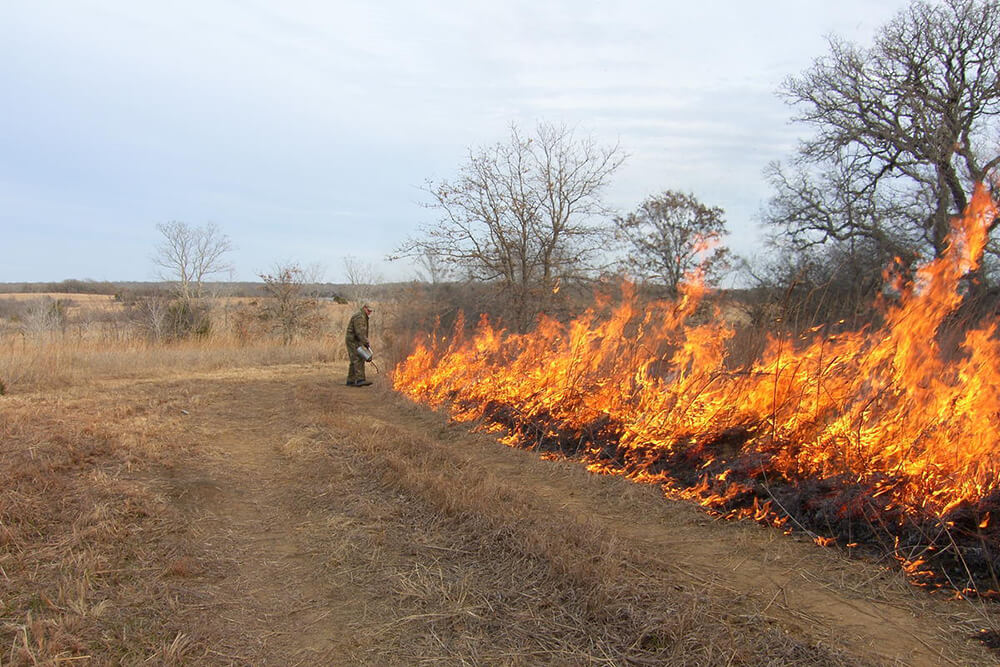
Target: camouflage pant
<point x="356" y="372"/>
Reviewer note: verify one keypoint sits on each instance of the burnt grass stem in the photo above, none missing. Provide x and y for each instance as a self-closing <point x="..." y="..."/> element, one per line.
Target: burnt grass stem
<point x="959" y="555"/>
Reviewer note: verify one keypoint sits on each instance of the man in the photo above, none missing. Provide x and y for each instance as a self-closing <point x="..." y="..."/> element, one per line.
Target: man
<point x="357" y="336"/>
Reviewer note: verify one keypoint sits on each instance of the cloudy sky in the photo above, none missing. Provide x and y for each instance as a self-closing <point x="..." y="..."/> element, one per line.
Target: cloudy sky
<point x="305" y="129"/>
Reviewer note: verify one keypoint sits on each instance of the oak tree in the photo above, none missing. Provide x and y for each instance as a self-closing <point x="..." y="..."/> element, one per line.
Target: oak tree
<point x="904" y="129"/>
<point x="672" y="234"/>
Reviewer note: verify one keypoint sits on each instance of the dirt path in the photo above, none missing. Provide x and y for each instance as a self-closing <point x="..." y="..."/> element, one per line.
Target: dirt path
<point x="299" y="555"/>
<point x="266" y="530"/>
<point x="323" y="524"/>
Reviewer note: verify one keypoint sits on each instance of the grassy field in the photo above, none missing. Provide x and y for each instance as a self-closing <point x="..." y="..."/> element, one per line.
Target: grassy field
<point x="218" y="502"/>
<point x="95" y="339"/>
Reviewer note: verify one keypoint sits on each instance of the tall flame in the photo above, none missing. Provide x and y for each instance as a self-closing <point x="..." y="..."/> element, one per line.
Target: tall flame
<point x="879" y="407"/>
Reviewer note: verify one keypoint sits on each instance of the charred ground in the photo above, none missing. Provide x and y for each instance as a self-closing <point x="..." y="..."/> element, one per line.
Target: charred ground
<point x="956" y="553"/>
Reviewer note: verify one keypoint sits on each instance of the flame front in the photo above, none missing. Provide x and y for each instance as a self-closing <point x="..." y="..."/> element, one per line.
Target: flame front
<point x="639" y="392"/>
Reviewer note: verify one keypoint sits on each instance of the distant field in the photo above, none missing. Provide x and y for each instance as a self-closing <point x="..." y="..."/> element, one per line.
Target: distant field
<point x="94" y="337"/>
<point x="83" y="298"/>
<point x="75" y="305"/>
<point x="80" y="306"/>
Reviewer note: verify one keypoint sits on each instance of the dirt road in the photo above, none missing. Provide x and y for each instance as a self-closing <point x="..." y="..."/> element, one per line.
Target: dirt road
<point x="305" y="522"/>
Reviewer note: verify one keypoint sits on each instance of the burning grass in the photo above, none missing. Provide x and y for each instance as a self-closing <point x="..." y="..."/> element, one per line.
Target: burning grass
<point x="872" y="439"/>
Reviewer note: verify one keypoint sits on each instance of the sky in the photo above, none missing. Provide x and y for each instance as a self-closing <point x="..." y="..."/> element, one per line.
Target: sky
<point x="306" y="130"/>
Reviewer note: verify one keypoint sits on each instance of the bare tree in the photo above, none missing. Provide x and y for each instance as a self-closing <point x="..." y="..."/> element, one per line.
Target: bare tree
<point x="670" y="235"/>
<point x="815" y="207"/>
<point x="361" y="277"/>
<point x="152" y="314"/>
<point x="44" y="315"/>
<point x="520" y="214"/>
<point x="188" y="255"/>
<point x="431" y="268"/>
<point x="903" y="130"/>
<point x="291" y="310"/>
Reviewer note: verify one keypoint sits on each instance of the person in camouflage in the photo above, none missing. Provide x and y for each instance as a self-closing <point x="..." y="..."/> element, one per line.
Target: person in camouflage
<point x="357" y="336"/>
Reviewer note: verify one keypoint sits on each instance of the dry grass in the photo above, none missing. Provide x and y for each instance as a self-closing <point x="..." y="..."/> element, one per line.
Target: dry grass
<point x="58" y="362"/>
<point x="87" y="567"/>
<point x="457" y="565"/>
<point x="79" y="563"/>
<point x="501" y="579"/>
<point x="89" y="350"/>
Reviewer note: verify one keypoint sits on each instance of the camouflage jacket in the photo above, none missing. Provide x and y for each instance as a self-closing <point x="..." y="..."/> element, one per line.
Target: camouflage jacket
<point x="357" y="329"/>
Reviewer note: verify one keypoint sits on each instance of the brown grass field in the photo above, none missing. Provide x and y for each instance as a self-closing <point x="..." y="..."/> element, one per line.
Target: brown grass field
<point x="221" y="504"/>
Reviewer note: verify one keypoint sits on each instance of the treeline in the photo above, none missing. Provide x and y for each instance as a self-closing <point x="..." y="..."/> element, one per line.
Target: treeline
<point x="337" y="292"/>
<point x="69" y="286"/>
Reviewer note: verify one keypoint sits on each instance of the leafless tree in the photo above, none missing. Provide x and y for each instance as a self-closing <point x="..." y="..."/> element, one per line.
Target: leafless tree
<point x="903" y="130"/>
<point x="291" y="309"/>
<point x="520" y="214"/>
<point x="361" y="277"/>
<point x="151" y="313"/>
<point x="431" y="268"/>
<point x="45" y="315"/>
<point x="817" y="207"/>
<point x="670" y="235"/>
<point x="188" y="255"/>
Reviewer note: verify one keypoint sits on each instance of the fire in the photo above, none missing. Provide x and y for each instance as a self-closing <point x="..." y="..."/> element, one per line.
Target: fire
<point x="877" y="420"/>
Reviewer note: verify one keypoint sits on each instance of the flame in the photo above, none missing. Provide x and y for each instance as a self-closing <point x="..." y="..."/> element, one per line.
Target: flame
<point x="634" y="391"/>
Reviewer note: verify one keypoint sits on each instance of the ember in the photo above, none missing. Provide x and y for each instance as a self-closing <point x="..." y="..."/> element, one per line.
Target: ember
<point x="865" y="438"/>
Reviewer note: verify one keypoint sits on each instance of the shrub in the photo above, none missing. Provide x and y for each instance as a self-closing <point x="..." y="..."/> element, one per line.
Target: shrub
<point x="186" y="317"/>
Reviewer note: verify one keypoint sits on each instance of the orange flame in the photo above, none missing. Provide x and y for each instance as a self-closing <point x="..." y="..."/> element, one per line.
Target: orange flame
<point x="880" y="407"/>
